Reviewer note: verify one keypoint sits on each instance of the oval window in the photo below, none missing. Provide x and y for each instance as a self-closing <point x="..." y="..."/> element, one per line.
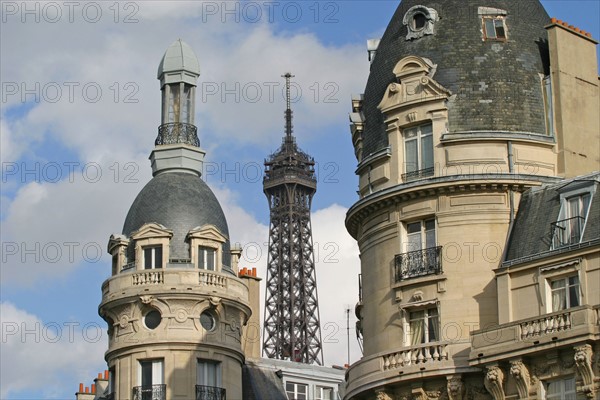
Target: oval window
<point x="207" y="321"/>
<point x="152" y="319"/>
<point x="419" y="21"/>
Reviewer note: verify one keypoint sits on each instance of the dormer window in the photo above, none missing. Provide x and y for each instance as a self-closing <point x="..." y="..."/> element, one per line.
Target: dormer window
<point x="494" y="28"/>
<point x="570" y="226"/>
<point x="420" y="21"/>
<point x="206" y="258"/>
<point x="153" y="257"/>
<point x="493" y="23"/>
<point x="206" y="244"/>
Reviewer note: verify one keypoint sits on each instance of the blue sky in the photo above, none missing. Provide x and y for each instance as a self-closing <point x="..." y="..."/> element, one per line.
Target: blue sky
<point x="80" y="107"/>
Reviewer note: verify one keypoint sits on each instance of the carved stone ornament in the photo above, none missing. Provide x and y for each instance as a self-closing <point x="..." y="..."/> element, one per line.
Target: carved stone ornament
<point x="520" y="373"/>
<point x="146" y="299"/>
<point x="455" y="388"/>
<point x="420" y="21"/>
<point x="583" y="362"/>
<point x="493" y="382"/>
<point x="214" y="301"/>
<point x="382" y="395"/>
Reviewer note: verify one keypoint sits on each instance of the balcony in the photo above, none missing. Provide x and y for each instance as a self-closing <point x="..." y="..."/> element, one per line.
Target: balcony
<point x="548" y="331"/>
<point x="419" y="174"/>
<point x="150" y="392"/>
<point x="180" y="280"/>
<point x="415" y="355"/>
<point x="209" y="393"/>
<point x="418" y="263"/>
<point x="567" y="232"/>
<point x="177" y="132"/>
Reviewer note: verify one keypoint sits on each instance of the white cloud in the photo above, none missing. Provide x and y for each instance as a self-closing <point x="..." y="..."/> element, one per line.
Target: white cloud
<point x="51" y="228"/>
<point x="44" y="356"/>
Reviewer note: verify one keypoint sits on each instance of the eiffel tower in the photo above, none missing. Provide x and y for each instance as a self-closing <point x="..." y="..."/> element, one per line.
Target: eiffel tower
<point x="292" y="330"/>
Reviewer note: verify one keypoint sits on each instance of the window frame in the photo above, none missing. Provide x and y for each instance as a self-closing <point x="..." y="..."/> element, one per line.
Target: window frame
<point x="494" y="19"/>
<point x="562" y="393"/>
<point x="295" y="392"/>
<point x="565" y="211"/>
<point x="202" y="372"/>
<point x="157" y="368"/>
<point x="424" y="242"/>
<point x="426" y="328"/>
<point x="319" y="392"/>
<point x="154" y="256"/>
<point x="420" y="169"/>
<point x="567" y="290"/>
<point x="205" y="251"/>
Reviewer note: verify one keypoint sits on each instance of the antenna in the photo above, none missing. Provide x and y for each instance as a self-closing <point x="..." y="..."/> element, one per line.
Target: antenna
<point x="348" y="329"/>
<point x="288" y="111"/>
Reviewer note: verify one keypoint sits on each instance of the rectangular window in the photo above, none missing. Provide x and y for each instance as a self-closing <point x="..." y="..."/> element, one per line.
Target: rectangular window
<point x="420" y="235"/>
<point x="418" y="152"/>
<point x="324" y="393"/>
<point x="150" y="373"/>
<point x="152" y="257"/>
<point x="206" y="258"/>
<point x="424" y="326"/>
<point x="115" y="264"/>
<point x="111" y="381"/>
<point x="565" y="293"/>
<point x="208" y="373"/>
<point x="548" y="107"/>
<point x="563" y="389"/>
<point x="150" y="380"/>
<point x="494" y="28"/>
<point x="296" y="391"/>
<point x="569" y="229"/>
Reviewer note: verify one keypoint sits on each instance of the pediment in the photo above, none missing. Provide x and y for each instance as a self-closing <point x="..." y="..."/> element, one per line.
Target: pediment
<point x="152" y="230"/>
<point x="414" y="84"/>
<point x="116" y="240"/>
<point x="207" y="232"/>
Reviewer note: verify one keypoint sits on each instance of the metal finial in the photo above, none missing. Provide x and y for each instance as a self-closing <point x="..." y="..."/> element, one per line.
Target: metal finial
<point x="288" y="111"/>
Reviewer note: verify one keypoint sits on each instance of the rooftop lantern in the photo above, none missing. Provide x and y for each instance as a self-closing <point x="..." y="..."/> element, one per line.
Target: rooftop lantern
<point x="177" y="147"/>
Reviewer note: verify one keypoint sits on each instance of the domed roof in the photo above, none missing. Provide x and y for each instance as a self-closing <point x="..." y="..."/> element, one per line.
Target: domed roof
<point x="179" y="57"/>
<point x="495" y="84"/>
<point x="181" y="202"/>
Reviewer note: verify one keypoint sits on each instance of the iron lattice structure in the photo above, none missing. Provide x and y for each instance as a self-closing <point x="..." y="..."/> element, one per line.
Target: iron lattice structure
<point x="292" y="330"/>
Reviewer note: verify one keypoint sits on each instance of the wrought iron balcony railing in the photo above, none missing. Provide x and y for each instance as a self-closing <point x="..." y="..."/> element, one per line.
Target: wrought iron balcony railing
<point x="418" y="263"/>
<point x="567" y="232"/>
<point x="419" y="174"/>
<point x="209" y="393"/>
<point x="177" y="132"/>
<point x="150" y="392"/>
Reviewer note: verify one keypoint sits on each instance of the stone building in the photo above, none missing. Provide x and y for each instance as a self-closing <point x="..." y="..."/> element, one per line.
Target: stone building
<point x="183" y="317"/>
<point x="477" y="146"/>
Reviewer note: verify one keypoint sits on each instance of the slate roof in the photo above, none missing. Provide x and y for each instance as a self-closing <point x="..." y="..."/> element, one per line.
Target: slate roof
<point x="180" y="202"/>
<point x="496" y="84"/>
<point x="539" y="208"/>
<point x="261" y="383"/>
